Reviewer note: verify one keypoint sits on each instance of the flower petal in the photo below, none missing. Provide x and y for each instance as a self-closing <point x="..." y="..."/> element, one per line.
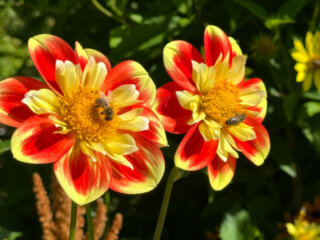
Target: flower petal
<point x="12" y="90"/>
<point x="193" y="103"/>
<point x="155" y="133"/>
<point x="220" y="173"/>
<point x="45" y="50"/>
<point x="177" y="58"/>
<point x="173" y="117"/>
<point x="236" y="50"/>
<point x="148" y="168"/>
<point x="203" y="76"/>
<point x="255" y="86"/>
<point x="194" y="152"/>
<point x="242" y="132"/>
<point x="307" y="82"/>
<point x="236" y="72"/>
<point x="83" y="56"/>
<point x="258" y="149"/>
<point x="125" y="95"/>
<point x="42" y="101"/>
<point x="81" y="178"/>
<point x="68" y="75"/>
<point x="94" y="74"/>
<point x="37" y="141"/>
<point x="131" y="72"/>
<point x="216" y="42"/>
<point x="137" y="124"/>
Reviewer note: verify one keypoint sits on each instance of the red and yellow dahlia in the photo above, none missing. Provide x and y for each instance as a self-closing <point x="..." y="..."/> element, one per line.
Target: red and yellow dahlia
<point x="93" y="122"/>
<point x="210" y="101"/>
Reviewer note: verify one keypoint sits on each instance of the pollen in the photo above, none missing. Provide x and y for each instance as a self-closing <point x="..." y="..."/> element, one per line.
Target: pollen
<point x="79" y="110"/>
<point x="222" y="102"/>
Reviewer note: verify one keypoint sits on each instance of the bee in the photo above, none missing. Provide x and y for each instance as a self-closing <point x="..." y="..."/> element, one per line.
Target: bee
<point x="103" y="108"/>
<point x="238" y="118"/>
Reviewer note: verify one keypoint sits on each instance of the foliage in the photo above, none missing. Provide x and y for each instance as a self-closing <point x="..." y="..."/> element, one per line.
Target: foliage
<point x="139" y="30"/>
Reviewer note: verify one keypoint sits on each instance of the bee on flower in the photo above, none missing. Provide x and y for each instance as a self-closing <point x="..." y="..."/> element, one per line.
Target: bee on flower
<point x="210" y="101"/>
<point x="308" y="60"/>
<point x="93" y="122"/>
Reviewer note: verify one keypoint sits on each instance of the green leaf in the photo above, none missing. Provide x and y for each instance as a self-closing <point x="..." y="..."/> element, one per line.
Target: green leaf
<point x="117" y="6"/>
<point x="274" y="22"/>
<point x="237" y="226"/>
<point x="290" y="103"/>
<point x="312" y="95"/>
<point x="282" y="154"/>
<point x="312" y="108"/>
<point x="10" y="235"/>
<point x="4" y="146"/>
<point x="183" y="6"/>
<point x="292" y="8"/>
<point x="254" y="8"/>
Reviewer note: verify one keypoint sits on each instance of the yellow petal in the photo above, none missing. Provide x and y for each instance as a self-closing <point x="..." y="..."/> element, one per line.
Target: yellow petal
<point x="121" y="144"/>
<point x="225" y="148"/>
<point x="222" y="68"/>
<point x="307" y="82"/>
<point x="299" y="47"/>
<point x="67" y="75"/>
<point x="203" y="76"/>
<point x="208" y="131"/>
<point x="243" y="132"/>
<point x="94" y="74"/>
<point x="125" y="95"/>
<point x="252" y="97"/>
<point x="137" y="124"/>
<point x="235" y="46"/>
<point x="130" y="115"/>
<point x="42" y="101"/>
<point x="300" y="67"/>
<point x="316" y="43"/>
<point x="236" y="72"/>
<point x="300" y="57"/>
<point x="193" y="103"/>
<point x="301" y="76"/>
<point x="309" y="42"/>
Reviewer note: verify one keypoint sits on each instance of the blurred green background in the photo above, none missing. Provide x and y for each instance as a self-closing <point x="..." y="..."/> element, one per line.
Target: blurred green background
<point x="256" y="200"/>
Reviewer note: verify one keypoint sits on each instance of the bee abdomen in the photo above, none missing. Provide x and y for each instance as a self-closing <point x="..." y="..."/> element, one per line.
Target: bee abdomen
<point x="239" y="118"/>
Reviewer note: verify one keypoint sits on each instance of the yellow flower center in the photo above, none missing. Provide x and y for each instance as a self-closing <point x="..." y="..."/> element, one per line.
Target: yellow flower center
<point x="222" y="102"/>
<point x="86" y="116"/>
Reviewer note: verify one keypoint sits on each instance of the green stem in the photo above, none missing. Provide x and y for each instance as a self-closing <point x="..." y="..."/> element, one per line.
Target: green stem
<point x="315" y="16"/>
<point x="89" y="221"/>
<point x="73" y="220"/>
<point x="107" y="12"/>
<point x="174" y="175"/>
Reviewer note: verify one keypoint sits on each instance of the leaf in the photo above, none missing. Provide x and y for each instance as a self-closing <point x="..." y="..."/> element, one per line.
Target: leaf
<point x="4" y="146"/>
<point x="312" y="108"/>
<point x="282" y="154"/>
<point x="237" y="226"/>
<point x="274" y="22"/>
<point x="254" y="8"/>
<point x="292" y="7"/>
<point x="10" y="235"/>
<point x="183" y="6"/>
<point x="290" y="103"/>
<point x="312" y="95"/>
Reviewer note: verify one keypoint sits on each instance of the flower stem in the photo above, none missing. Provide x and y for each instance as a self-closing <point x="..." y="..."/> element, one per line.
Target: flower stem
<point x="174" y="175"/>
<point x="107" y="12"/>
<point x="73" y="220"/>
<point x="89" y="221"/>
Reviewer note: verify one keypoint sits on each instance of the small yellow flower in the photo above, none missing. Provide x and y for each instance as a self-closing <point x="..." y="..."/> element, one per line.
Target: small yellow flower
<point x="308" y="60"/>
<point x="302" y="229"/>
